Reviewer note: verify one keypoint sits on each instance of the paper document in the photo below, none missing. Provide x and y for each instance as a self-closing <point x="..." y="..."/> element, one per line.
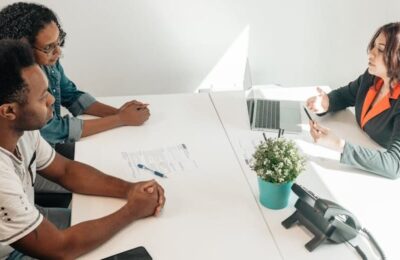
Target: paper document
<point x="168" y="160"/>
<point x="247" y="147"/>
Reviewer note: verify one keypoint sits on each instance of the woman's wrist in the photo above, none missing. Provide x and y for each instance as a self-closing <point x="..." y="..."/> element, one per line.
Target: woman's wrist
<point x="341" y="143"/>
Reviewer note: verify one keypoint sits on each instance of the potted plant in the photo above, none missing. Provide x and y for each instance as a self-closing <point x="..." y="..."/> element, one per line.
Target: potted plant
<point x="277" y="162"/>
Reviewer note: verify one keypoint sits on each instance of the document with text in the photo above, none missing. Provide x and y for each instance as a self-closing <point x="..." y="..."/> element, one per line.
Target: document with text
<point x="168" y="160"/>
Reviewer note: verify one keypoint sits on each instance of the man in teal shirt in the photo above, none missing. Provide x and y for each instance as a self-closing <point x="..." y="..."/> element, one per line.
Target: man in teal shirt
<point x="39" y="26"/>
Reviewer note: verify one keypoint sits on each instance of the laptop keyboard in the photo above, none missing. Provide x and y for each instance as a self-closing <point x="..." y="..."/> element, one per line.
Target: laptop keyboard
<point x="266" y="115"/>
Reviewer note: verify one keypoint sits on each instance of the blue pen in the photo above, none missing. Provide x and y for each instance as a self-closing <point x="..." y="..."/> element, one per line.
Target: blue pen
<point x="141" y="166"/>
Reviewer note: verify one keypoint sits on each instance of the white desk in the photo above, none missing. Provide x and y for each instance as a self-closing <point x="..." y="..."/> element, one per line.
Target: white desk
<point x="210" y="212"/>
<point x="373" y="199"/>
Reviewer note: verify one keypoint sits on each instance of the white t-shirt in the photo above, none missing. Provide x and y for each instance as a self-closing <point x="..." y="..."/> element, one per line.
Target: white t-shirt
<point x="18" y="214"/>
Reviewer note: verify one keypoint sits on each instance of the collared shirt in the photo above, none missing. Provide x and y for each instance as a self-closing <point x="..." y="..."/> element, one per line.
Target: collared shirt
<point x="369" y="112"/>
<point x="381" y="123"/>
<point x="64" y="129"/>
<point x="18" y="214"/>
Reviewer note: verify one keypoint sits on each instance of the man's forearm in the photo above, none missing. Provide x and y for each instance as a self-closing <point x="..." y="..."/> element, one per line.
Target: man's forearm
<point x="47" y="242"/>
<point x="100" y="110"/>
<point x="94" y="126"/>
<point x="84" y="179"/>
<point x="86" y="236"/>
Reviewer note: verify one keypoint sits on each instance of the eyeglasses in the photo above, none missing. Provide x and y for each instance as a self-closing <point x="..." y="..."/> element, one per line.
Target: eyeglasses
<point x="49" y="49"/>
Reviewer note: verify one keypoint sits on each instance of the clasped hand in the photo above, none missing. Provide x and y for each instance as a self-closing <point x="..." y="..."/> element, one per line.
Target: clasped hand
<point x="146" y="198"/>
<point x="133" y="113"/>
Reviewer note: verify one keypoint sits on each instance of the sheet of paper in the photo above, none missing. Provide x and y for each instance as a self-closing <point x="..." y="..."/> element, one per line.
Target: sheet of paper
<point x="247" y="148"/>
<point x="168" y="160"/>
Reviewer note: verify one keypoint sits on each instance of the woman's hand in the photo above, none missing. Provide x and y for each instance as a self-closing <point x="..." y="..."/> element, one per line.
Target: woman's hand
<point x="325" y="137"/>
<point x="319" y="103"/>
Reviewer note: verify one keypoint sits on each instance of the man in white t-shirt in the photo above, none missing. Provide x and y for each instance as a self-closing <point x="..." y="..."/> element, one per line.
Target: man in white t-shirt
<point x="25" y="106"/>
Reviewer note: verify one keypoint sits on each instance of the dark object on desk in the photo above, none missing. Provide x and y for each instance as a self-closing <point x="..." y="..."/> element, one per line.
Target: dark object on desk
<point x="325" y="219"/>
<point x="138" y="253"/>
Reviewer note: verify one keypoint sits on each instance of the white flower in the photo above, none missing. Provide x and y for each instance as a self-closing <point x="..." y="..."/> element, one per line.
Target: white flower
<point x="277" y="160"/>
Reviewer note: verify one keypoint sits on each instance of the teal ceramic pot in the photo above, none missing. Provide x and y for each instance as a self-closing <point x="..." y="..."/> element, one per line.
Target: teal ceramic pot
<point x="274" y="195"/>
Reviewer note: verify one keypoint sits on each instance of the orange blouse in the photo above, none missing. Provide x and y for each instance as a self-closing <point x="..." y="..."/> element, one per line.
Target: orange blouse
<point x="369" y="112"/>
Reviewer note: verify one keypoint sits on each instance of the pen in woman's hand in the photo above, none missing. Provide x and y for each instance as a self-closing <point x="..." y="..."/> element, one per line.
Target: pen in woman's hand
<point x="308" y="114"/>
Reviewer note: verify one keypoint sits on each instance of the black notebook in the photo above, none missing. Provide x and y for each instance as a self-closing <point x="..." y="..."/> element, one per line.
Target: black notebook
<point x="138" y="253"/>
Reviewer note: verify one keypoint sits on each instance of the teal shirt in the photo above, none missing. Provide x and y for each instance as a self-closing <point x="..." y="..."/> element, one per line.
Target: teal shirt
<point x="63" y="129"/>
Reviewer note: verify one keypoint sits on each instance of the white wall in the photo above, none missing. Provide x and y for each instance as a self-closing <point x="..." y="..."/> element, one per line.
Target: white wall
<point x="118" y="47"/>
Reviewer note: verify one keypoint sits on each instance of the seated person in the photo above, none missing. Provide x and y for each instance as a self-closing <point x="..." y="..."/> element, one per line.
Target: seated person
<point x="375" y="96"/>
<point x="25" y="106"/>
<point x="40" y="27"/>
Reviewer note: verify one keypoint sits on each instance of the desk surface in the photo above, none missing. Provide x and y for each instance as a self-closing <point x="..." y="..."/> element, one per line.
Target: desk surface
<point x="371" y="198"/>
<point x="210" y="211"/>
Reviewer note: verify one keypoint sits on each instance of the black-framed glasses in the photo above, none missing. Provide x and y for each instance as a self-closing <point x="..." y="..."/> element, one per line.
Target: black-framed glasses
<point x="49" y="49"/>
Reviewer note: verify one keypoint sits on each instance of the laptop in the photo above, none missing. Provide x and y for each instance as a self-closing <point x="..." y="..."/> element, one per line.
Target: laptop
<point x="272" y="115"/>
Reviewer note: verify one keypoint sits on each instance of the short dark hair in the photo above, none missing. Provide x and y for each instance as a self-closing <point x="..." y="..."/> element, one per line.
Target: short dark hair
<point x="25" y="20"/>
<point x="392" y="49"/>
<point x="15" y="55"/>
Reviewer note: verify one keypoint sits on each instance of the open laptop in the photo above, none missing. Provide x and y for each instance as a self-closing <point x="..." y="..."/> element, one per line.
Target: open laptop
<point x="271" y="115"/>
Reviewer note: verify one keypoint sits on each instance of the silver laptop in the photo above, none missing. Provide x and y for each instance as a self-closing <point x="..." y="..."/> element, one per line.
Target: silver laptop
<point x="271" y="115"/>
